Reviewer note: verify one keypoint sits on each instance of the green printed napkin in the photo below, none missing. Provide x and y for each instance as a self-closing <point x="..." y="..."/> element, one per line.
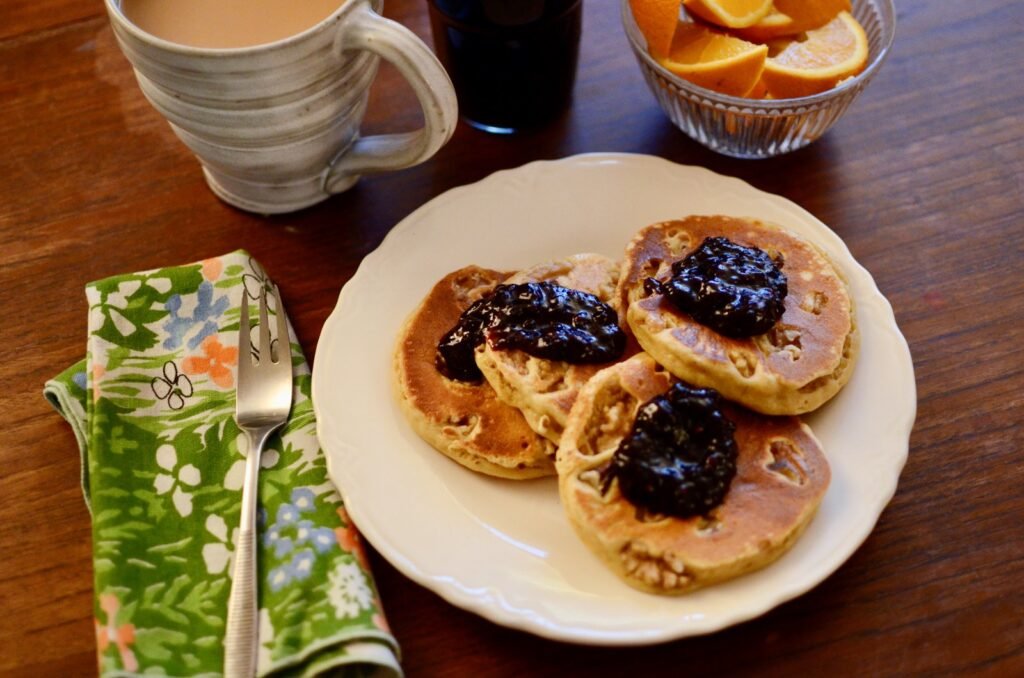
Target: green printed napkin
<point x="152" y="406"/>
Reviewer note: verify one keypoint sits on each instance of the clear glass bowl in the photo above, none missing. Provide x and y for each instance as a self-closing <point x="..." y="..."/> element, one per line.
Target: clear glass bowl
<point x="756" y="128"/>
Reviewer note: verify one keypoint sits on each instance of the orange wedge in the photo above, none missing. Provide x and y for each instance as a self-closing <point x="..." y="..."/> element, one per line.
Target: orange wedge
<point x="758" y="91"/>
<point x="774" y="24"/>
<point x="834" y="52"/>
<point x="729" y="13"/>
<point x="776" y="45"/>
<point x="714" y="60"/>
<point x="790" y="17"/>
<point x="657" y="21"/>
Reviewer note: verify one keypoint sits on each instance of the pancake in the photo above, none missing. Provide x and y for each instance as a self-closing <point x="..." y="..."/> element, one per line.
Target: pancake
<point x="544" y="390"/>
<point x="464" y="421"/>
<point x="795" y="367"/>
<point x="781" y="477"/>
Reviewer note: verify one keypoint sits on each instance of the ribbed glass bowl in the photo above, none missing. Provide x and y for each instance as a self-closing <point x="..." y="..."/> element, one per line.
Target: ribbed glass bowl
<point x="758" y="128"/>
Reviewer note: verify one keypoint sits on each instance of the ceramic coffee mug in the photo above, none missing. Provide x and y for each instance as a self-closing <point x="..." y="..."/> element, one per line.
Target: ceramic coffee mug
<point x="276" y="126"/>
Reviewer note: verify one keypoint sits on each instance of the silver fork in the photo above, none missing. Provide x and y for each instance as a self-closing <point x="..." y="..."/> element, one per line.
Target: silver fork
<point x="263" y="400"/>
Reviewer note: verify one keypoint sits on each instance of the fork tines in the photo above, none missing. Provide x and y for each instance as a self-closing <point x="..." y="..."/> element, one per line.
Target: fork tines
<point x="264" y="338"/>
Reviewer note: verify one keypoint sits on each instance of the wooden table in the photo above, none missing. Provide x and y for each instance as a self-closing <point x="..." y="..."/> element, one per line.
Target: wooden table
<point x="922" y="179"/>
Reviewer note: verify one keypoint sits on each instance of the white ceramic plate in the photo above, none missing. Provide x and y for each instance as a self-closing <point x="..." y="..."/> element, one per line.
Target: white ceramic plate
<point x="503" y="549"/>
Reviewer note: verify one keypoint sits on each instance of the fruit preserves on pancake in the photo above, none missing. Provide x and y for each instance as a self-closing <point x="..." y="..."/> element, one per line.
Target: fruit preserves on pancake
<point x="781" y="477"/>
<point x="545" y="389"/>
<point x="463" y="420"/>
<point x="794" y="367"/>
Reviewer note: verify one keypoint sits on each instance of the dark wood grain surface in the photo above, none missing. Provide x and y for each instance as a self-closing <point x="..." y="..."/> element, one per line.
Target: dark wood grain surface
<point x="922" y="179"/>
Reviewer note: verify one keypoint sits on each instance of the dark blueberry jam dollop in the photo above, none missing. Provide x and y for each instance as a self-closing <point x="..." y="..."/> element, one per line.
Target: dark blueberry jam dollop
<point x="735" y="290"/>
<point x="680" y="456"/>
<point x="542" y="319"/>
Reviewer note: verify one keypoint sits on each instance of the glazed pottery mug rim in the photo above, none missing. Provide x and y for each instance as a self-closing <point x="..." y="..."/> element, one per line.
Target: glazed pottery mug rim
<point x="306" y="153"/>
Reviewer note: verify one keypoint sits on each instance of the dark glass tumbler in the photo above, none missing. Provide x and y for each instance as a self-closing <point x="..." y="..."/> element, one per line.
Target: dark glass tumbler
<point x="513" y="62"/>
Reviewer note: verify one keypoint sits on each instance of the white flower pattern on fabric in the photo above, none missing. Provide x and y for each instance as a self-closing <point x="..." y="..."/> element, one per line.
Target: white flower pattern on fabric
<point x="349" y="591"/>
<point x="161" y="285"/>
<point x="235" y="477"/>
<point x="125" y="289"/>
<point x="187" y="475"/>
<point x="219" y="555"/>
<point x="118" y="301"/>
<point x="264" y="657"/>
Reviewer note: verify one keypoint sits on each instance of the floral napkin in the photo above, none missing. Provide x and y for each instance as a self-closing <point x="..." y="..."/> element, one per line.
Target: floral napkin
<point x="152" y="406"/>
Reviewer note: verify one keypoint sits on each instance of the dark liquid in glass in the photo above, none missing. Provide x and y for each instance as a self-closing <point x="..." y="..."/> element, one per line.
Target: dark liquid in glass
<point x="513" y="62"/>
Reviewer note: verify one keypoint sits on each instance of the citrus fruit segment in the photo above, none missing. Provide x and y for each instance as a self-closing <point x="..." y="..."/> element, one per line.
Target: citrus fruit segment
<point x="834" y="52"/>
<point x="714" y="60"/>
<point x="789" y="17"/>
<point x="773" y="25"/>
<point x="657" y="21"/>
<point x="758" y="91"/>
<point x="729" y="13"/>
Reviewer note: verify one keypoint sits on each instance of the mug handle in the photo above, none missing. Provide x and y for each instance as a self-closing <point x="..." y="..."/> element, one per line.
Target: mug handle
<point x="363" y="29"/>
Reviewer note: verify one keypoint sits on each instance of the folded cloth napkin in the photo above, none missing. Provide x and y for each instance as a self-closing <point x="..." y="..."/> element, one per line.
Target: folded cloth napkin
<point x="152" y="406"/>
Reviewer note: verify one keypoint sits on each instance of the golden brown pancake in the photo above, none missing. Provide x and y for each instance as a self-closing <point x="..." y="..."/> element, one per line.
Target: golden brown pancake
<point x="781" y="477"/>
<point x="465" y="421"/>
<point x="795" y="367"/>
<point x="545" y="389"/>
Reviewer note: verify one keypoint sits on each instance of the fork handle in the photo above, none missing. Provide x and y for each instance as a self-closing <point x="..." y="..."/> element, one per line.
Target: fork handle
<point x="241" y="637"/>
